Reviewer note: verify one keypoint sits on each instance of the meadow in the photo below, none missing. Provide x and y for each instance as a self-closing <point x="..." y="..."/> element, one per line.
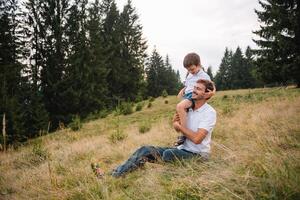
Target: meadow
<point x="255" y="154"/>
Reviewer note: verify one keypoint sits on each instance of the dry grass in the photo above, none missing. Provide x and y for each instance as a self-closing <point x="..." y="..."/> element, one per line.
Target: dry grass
<point x="255" y="155"/>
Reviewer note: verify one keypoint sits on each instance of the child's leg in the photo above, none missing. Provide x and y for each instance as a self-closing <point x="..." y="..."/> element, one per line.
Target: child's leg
<point x="181" y="110"/>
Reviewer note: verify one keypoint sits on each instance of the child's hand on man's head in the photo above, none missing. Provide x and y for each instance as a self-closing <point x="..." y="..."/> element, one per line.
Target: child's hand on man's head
<point x="210" y="93"/>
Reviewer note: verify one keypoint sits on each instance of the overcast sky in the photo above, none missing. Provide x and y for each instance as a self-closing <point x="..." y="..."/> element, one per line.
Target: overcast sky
<point x="177" y="27"/>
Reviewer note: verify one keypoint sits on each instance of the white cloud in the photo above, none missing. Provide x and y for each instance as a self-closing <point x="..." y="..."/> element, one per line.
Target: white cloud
<point x="177" y="27"/>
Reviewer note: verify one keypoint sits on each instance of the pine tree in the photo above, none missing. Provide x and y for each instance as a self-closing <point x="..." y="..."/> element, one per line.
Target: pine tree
<point x="172" y="79"/>
<point x="78" y="72"/>
<point x="51" y="23"/>
<point x="10" y="69"/>
<point x="237" y="71"/>
<point x="133" y="48"/>
<point x="223" y="75"/>
<point x="97" y="62"/>
<point x="154" y="70"/>
<point x="112" y="38"/>
<point x="210" y="74"/>
<point x="279" y="54"/>
<point x="251" y="81"/>
<point x="160" y="76"/>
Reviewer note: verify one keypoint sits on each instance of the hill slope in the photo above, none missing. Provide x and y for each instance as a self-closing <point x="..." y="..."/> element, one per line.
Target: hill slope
<point x="255" y="154"/>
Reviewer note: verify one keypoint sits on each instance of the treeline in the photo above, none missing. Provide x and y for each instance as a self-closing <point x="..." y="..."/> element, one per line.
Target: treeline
<point x="65" y="58"/>
<point x="237" y="70"/>
<point x="276" y="61"/>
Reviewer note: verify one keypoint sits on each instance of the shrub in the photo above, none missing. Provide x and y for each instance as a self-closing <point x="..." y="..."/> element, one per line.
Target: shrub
<point x="125" y="108"/>
<point x="139" y="98"/>
<point x="149" y="105"/>
<point x="76" y="124"/>
<point x="166" y="101"/>
<point x="144" y="127"/>
<point x="139" y="107"/>
<point x="225" y="96"/>
<point x="164" y="93"/>
<point x="38" y="153"/>
<point x="117" y="135"/>
<point x="103" y="113"/>
<point x="151" y="99"/>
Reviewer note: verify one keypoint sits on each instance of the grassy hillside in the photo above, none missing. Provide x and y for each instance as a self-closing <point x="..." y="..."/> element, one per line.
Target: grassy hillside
<point x="255" y="154"/>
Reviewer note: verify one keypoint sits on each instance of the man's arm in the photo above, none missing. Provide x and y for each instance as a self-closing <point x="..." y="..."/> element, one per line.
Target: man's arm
<point x="195" y="137"/>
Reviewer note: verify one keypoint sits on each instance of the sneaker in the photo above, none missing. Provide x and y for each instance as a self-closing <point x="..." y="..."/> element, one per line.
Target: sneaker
<point x="180" y="140"/>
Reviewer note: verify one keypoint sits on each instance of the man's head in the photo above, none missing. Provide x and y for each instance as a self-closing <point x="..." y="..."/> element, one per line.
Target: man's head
<point x="192" y="63"/>
<point x="202" y="86"/>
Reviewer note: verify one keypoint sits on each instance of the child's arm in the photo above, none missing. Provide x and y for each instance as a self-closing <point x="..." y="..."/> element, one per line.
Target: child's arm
<point x="181" y="93"/>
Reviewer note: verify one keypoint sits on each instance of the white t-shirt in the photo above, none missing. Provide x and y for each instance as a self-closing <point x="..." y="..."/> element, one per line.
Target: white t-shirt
<point x="204" y="117"/>
<point x="191" y="80"/>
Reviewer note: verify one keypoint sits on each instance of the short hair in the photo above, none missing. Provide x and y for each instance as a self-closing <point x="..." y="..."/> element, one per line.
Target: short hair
<point x="191" y="59"/>
<point x="209" y="85"/>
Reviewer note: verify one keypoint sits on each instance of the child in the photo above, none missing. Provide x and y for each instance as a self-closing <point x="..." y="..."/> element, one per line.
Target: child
<point x="195" y="72"/>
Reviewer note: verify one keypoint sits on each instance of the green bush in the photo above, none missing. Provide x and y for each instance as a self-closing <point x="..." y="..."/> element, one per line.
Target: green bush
<point x="76" y="124"/>
<point x="151" y="99"/>
<point x="103" y="113"/>
<point x="125" y="108"/>
<point x="144" y="127"/>
<point x="139" y="98"/>
<point x="225" y="96"/>
<point x="117" y="135"/>
<point x="139" y="107"/>
<point x="164" y="94"/>
<point x="39" y="153"/>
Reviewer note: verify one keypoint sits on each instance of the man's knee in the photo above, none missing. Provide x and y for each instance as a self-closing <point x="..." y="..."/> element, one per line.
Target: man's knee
<point x="146" y="149"/>
<point x="168" y="156"/>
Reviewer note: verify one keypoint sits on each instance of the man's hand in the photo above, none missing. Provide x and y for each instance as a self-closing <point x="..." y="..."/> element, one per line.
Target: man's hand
<point x="177" y="126"/>
<point x="176" y="118"/>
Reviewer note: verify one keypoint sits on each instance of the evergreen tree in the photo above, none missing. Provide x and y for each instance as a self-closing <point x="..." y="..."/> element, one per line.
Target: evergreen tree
<point x="251" y="81"/>
<point x="237" y="71"/>
<point x="36" y="117"/>
<point x="161" y="76"/>
<point x="210" y="74"/>
<point x="51" y="26"/>
<point x="132" y="53"/>
<point x="10" y="69"/>
<point x="154" y="71"/>
<point x="77" y="68"/>
<point x="112" y="38"/>
<point x="97" y="62"/>
<point x="223" y="75"/>
<point x="278" y="58"/>
<point x="172" y="79"/>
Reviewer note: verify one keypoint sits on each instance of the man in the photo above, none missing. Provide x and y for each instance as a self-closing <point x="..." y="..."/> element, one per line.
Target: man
<point x="200" y="123"/>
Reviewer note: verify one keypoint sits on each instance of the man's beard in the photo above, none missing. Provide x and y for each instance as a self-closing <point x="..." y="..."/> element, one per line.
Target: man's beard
<point x="198" y="97"/>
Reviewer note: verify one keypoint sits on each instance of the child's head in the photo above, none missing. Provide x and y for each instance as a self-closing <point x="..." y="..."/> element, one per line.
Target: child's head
<point x="192" y="63"/>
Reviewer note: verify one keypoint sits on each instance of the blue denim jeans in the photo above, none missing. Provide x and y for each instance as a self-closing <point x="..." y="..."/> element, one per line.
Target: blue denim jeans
<point x="152" y="154"/>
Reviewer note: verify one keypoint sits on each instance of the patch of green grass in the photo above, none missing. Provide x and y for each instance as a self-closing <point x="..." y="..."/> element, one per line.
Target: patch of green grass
<point x="139" y="106"/>
<point x="76" y="123"/>
<point x="39" y="153"/>
<point x="144" y="127"/>
<point x="117" y="135"/>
